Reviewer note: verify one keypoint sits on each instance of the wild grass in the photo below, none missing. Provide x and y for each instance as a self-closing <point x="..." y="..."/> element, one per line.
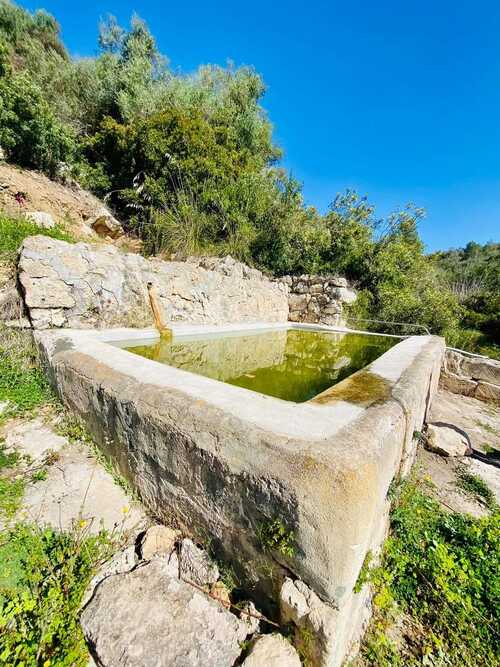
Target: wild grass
<point x="13" y="231"/>
<point x="439" y="575"/>
<point x="23" y="385"/>
<point x="43" y="576"/>
<point x="476" y="487"/>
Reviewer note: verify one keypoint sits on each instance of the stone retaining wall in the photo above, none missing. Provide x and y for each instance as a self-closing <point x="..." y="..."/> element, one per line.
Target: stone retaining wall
<point x="318" y="299"/>
<point x="471" y="376"/>
<point x="86" y="286"/>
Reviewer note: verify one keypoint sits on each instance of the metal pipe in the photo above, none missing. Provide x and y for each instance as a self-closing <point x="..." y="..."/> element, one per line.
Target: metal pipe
<point x="164" y="331"/>
<point x="404" y="324"/>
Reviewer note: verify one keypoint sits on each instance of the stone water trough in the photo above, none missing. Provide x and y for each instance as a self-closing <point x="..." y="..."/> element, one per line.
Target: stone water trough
<point x="226" y="463"/>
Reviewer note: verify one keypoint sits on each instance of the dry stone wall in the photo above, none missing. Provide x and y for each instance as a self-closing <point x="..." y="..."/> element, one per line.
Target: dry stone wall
<point x="471" y="376"/>
<point x="95" y="285"/>
<point x="318" y="299"/>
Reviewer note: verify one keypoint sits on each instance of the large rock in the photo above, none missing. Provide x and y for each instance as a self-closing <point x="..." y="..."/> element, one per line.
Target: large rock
<point x="86" y="286"/>
<point x="447" y="440"/>
<point x="312" y="618"/>
<point x="272" y="651"/>
<point x="147" y="618"/>
<point x="478" y="377"/>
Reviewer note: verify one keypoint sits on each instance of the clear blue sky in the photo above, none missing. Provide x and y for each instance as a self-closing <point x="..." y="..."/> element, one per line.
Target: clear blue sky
<point x="399" y="100"/>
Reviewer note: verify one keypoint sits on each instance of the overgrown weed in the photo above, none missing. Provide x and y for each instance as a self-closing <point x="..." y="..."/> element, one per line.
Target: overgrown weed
<point x="439" y="571"/>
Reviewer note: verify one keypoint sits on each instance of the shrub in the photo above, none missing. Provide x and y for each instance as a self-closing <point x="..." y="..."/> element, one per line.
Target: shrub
<point x="43" y="576"/>
<point x="440" y="570"/>
<point x="29" y="131"/>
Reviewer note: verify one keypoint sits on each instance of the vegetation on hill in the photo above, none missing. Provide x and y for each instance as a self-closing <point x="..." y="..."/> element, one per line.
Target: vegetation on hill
<point x="472" y="274"/>
<point x="189" y="164"/>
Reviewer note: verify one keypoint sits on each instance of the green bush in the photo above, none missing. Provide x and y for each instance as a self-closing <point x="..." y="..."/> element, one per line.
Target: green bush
<point x="440" y="571"/>
<point x="29" y="131"/>
<point x="13" y="231"/>
<point x="43" y="576"/>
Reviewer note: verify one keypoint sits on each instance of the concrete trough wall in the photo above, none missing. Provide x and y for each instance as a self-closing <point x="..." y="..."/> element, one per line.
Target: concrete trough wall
<point x="225" y="462"/>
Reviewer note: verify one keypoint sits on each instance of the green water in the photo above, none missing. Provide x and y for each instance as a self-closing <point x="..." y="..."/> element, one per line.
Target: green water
<point x="292" y="364"/>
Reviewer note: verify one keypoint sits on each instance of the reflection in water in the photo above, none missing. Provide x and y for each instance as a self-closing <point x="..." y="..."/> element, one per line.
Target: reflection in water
<point x="290" y="364"/>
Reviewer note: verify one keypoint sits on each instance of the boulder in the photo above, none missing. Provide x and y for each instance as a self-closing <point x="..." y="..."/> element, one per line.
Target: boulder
<point x="123" y="561"/>
<point x="147" y="618"/>
<point x="272" y="651"/>
<point x="486" y="370"/>
<point x="447" y="440"/>
<point x="195" y="564"/>
<point x="104" y="224"/>
<point x="158" y="540"/>
<point x="457" y="384"/>
<point x="41" y="219"/>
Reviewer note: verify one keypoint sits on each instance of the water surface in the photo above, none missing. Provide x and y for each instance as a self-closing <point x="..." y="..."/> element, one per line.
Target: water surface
<point x="292" y="364"/>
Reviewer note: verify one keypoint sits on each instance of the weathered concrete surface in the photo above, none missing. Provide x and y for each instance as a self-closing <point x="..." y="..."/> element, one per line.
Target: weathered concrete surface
<point x="229" y="461"/>
<point x="85" y="286"/>
<point x="147" y="618"/>
<point x="471" y="376"/>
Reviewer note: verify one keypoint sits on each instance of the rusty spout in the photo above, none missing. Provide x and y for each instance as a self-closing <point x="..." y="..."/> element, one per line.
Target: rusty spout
<point x="164" y="331"/>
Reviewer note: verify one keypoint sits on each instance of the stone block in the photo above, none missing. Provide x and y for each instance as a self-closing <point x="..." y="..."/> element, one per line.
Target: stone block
<point x="146" y="618"/>
<point x="272" y="651"/>
<point x="485" y="391"/>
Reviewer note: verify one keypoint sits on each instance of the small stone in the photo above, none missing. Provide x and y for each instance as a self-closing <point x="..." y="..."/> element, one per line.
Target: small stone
<point x="333" y="308"/>
<point x="220" y="591"/>
<point x="248" y="615"/>
<point x="346" y="295"/>
<point x="195" y="564"/>
<point x="316" y="289"/>
<point x="41" y="219"/>
<point x="447" y="440"/>
<point x="158" y="540"/>
<point x="337" y="281"/>
<point x="297" y="301"/>
<point x="104" y="224"/>
<point x="272" y="651"/>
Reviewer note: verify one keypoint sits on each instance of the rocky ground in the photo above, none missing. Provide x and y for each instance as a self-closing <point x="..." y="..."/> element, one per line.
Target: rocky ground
<point x="480" y="422"/>
<point x="66" y="481"/>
